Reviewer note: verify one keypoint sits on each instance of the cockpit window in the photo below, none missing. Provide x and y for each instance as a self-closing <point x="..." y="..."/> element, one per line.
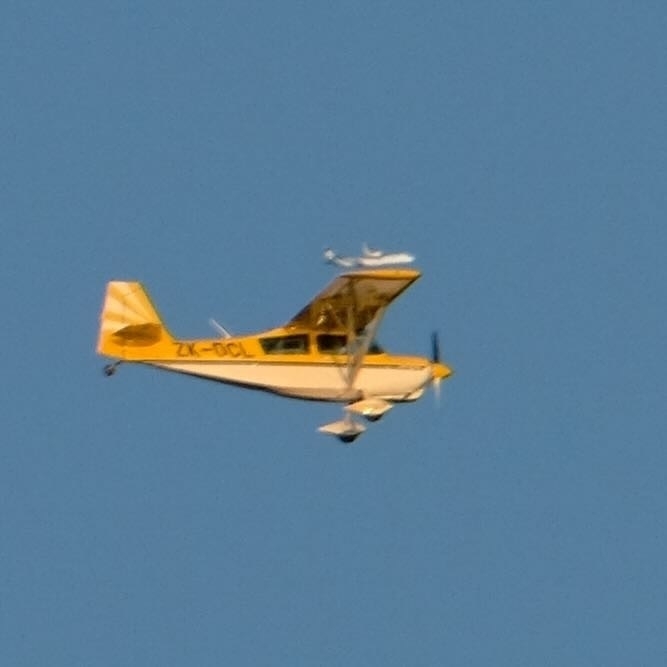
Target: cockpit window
<point x="332" y="343"/>
<point x="337" y="344"/>
<point x="375" y="348"/>
<point x="295" y="344"/>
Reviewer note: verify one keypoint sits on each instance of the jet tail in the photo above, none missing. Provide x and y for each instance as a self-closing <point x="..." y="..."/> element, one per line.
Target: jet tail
<point x="129" y="322"/>
<point x="332" y="258"/>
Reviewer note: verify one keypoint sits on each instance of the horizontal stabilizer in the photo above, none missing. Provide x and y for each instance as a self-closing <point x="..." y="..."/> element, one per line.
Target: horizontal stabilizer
<point x="370" y="408"/>
<point x="346" y="430"/>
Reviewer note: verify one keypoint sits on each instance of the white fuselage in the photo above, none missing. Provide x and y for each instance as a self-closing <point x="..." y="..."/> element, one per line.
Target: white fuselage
<point x="312" y="380"/>
<point x="370" y="259"/>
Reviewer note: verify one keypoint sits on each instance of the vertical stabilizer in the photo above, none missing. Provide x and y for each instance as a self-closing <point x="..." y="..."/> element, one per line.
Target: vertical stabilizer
<point x="128" y="320"/>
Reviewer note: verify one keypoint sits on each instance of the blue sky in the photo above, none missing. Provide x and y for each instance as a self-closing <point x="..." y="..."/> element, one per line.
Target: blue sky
<point x="212" y="150"/>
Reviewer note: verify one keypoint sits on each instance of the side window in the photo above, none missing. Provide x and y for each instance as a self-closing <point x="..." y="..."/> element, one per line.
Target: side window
<point x="296" y="344"/>
<point x="337" y="344"/>
<point x="375" y="348"/>
<point x="332" y="343"/>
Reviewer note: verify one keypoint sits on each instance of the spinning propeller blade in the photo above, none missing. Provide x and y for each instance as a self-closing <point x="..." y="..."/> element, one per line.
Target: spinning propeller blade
<point x="435" y="348"/>
<point x="435" y="359"/>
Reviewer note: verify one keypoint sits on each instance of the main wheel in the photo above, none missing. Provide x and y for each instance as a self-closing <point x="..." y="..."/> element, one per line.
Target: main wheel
<point x="373" y="418"/>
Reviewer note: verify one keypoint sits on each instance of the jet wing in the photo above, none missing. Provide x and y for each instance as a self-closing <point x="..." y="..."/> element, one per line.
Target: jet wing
<point x="352" y="300"/>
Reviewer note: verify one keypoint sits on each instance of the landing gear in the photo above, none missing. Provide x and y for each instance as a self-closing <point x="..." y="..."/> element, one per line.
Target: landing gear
<point x="370" y="409"/>
<point x="346" y="430"/>
<point x="373" y="418"/>
<point x="348" y="438"/>
<point x="110" y="369"/>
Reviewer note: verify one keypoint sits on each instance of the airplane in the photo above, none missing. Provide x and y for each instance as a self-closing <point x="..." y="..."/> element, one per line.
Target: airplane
<point x="326" y="352"/>
<point x="369" y="258"/>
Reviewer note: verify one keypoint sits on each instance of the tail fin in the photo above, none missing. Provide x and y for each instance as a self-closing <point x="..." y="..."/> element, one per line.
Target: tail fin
<point x="332" y="258"/>
<point x="128" y="320"/>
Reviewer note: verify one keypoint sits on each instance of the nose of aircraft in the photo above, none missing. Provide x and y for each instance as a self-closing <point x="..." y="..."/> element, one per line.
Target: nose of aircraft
<point x="440" y="371"/>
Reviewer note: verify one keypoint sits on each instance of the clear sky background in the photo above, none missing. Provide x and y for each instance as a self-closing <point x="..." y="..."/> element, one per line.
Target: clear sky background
<point x="212" y="150"/>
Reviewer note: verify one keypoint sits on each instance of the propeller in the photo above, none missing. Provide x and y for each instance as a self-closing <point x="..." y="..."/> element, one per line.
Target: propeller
<point x="435" y="348"/>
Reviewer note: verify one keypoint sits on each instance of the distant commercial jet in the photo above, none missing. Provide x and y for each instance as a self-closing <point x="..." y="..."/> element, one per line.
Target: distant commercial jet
<point x="370" y="258"/>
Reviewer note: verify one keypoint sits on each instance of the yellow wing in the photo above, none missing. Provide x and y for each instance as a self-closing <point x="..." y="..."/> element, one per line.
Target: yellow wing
<point x="352" y="300"/>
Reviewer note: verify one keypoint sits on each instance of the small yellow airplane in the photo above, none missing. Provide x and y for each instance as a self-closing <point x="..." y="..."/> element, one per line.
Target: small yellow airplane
<point x="326" y="352"/>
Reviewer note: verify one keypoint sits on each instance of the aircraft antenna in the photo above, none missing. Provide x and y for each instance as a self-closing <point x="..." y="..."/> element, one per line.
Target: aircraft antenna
<point x="219" y="328"/>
